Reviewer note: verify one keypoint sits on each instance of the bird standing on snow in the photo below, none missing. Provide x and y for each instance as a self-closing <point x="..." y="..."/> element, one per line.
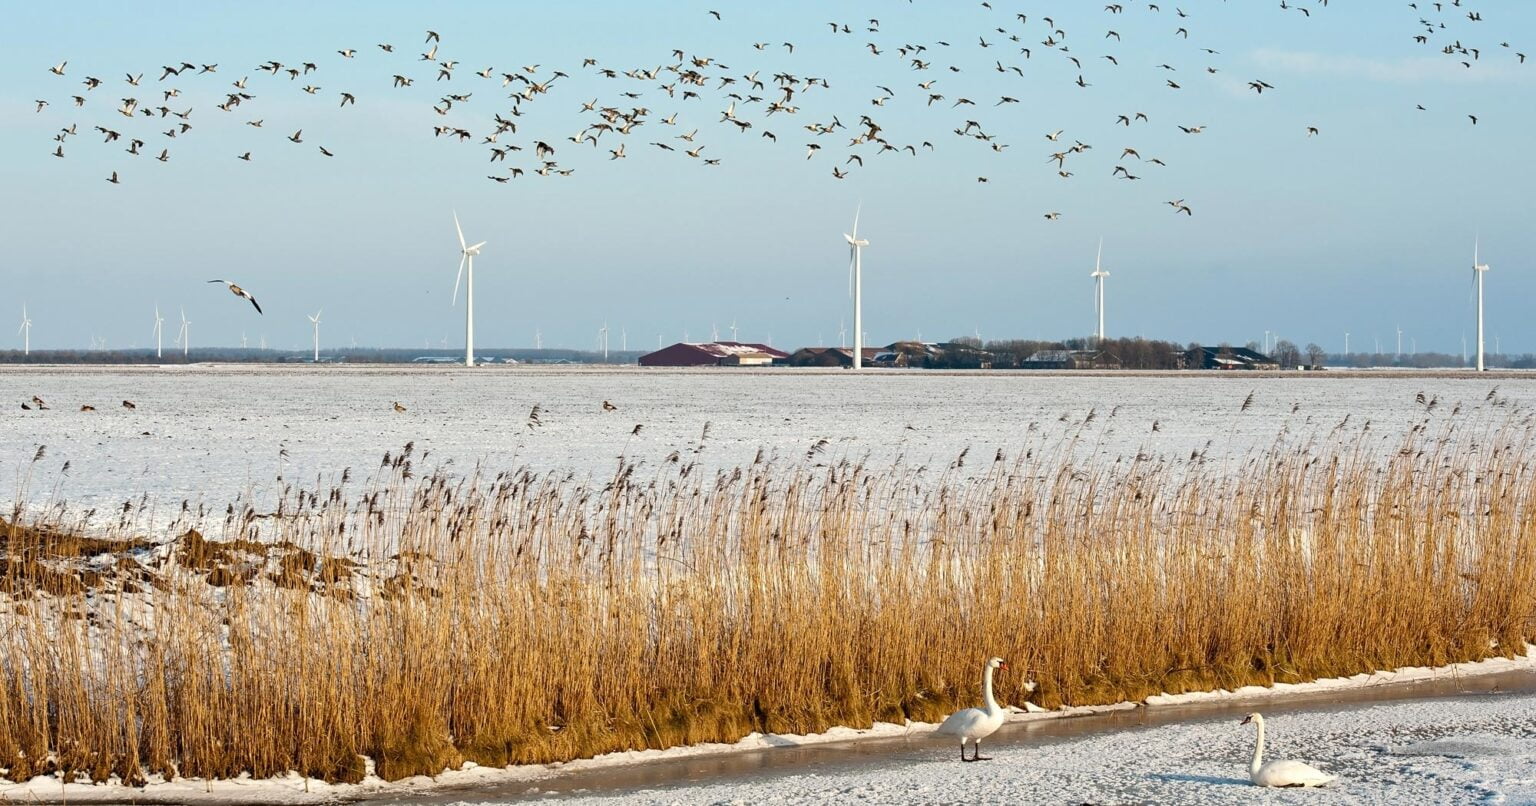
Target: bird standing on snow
<point x="239" y="292"/>
<point x="974" y="724"/>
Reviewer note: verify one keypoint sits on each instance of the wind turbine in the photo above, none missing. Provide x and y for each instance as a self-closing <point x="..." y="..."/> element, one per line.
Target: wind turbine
<point x="856" y="269"/>
<point x="315" y="320"/>
<point x="602" y="341"/>
<point x="1478" y="270"/>
<point x="466" y="255"/>
<point x="1098" y="290"/>
<point x="842" y="335"/>
<point x="25" y="331"/>
<point x="159" y="329"/>
<point x="184" y="335"/>
<point x="1399" y="342"/>
<point x="733" y="330"/>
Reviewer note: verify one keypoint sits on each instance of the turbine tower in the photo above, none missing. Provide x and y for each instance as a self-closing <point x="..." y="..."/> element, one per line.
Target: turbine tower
<point x="856" y="269"/>
<point x="159" y="330"/>
<point x="1098" y="291"/>
<point x="466" y="256"/>
<point x="25" y="331"/>
<point x="315" y="320"/>
<point x="1478" y="270"/>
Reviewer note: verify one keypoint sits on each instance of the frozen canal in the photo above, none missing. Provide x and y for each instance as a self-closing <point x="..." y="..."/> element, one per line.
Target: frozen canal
<point x="1434" y="748"/>
<point x="211" y="433"/>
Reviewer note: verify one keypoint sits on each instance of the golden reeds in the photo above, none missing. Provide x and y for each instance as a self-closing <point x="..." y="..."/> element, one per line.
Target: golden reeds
<point x="428" y="619"/>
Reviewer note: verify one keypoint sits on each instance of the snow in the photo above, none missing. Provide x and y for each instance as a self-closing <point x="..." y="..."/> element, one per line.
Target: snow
<point x="217" y="434"/>
<point x="1196" y="762"/>
<point x="1473" y="747"/>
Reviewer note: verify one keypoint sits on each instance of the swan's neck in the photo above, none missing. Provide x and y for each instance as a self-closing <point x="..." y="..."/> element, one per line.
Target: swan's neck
<point x="1258" y="750"/>
<point x="986" y="689"/>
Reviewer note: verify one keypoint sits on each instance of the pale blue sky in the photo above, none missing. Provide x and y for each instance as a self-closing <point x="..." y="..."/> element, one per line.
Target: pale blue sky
<point x="1363" y="227"/>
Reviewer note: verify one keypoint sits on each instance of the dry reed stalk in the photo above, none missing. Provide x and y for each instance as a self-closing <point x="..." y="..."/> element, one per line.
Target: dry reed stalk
<point x="429" y="619"/>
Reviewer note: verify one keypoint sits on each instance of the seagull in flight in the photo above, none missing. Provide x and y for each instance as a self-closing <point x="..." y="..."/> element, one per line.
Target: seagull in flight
<point x="239" y="292"/>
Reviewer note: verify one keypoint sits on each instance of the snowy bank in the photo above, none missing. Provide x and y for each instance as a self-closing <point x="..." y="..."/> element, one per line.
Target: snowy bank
<point x="1472" y="728"/>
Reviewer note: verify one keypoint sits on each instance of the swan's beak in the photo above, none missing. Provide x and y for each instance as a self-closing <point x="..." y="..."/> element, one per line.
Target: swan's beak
<point x="1246" y="720"/>
<point x="1003" y="665"/>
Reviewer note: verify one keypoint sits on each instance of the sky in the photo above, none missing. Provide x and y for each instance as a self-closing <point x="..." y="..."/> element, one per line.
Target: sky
<point x="1365" y="227"/>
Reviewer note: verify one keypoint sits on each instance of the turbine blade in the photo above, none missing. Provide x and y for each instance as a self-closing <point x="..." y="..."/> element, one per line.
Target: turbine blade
<point x="477" y="246"/>
<point x="850" y="270"/>
<point x="456" y="280"/>
<point x="459" y="229"/>
<point x="856" y="212"/>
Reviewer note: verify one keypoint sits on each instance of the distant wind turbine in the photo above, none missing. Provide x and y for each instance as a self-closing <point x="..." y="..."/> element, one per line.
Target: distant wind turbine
<point x="856" y="267"/>
<point x="315" y="320"/>
<point x="184" y="336"/>
<point x="1478" y="270"/>
<point x="25" y="331"/>
<point x="733" y="330"/>
<point x="602" y="341"/>
<point x="1098" y="291"/>
<point x="159" y="329"/>
<point x="467" y="256"/>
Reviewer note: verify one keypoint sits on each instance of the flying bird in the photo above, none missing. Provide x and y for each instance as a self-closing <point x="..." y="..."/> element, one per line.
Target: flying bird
<point x="239" y="292"/>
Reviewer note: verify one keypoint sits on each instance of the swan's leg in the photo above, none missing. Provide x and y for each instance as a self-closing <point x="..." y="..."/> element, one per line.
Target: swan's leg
<point x="962" y="751"/>
<point x="977" y="756"/>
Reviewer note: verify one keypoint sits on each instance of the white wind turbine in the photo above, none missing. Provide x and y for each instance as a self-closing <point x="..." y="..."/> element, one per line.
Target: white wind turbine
<point x="602" y="341"/>
<point x="183" y="337"/>
<point x="315" y="320"/>
<point x="856" y="269"/>
<point x="1098" y="291"/>
<point x="159" y="330"/>
<point x="1478" y="270"/>
<point x="25" y="331"/>
<point x="467" y="256"/>
<point x="733" y="330"/>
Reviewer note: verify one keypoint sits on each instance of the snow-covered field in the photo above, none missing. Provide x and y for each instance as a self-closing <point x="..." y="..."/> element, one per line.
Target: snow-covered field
<point x="212" y="433"/>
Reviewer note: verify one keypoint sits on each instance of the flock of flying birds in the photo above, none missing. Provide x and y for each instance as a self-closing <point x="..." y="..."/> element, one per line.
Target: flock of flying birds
<point x="762" y="103"/>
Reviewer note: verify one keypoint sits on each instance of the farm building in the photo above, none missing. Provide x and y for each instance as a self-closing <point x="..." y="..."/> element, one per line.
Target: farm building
<point x="834" y="357"/>
<point x="713" y="354"/>
<point x="1229" y="358"/>
<point x="1070" y="359"/>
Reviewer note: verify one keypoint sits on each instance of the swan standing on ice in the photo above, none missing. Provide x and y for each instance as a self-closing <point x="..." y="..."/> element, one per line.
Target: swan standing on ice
<point x="1281" y="772"/>
<point x="974" y="724"/>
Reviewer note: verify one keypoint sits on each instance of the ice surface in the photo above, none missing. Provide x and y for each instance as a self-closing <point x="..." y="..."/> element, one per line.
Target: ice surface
<point x="1194" y="763"/>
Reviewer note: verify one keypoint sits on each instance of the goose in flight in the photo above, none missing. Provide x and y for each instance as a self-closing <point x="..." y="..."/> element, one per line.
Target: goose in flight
<point x="239" y="292"/>
<point x="296" y="136"/>
<point x="58" y="69"/>
<point x="113" y="178"/>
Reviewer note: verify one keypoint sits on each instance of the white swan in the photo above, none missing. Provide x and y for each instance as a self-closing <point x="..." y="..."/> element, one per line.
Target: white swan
<point x="974" y="724"/>
<point x="1281" y="772"/>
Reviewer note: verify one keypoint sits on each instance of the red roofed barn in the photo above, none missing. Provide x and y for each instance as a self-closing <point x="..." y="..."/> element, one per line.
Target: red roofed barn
<point x="713" y="354"/>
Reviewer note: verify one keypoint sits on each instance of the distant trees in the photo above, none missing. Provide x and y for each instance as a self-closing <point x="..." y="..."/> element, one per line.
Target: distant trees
<point x="1286" y="354"/>
<point x="1316" y="355"/>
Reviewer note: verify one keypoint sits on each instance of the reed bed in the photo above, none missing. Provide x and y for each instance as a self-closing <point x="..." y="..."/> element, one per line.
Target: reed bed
<point x="419" y="619"/>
